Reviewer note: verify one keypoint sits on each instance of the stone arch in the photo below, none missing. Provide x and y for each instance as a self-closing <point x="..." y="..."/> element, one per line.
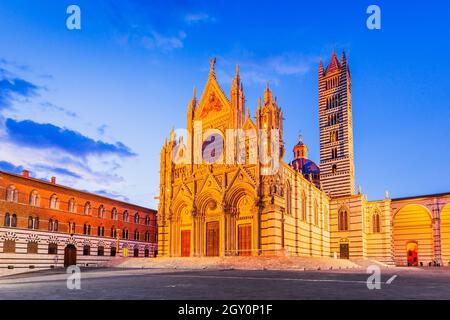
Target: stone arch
<point x="240" y="223"/>
<point x="412" y="223"/>
<point x="207" y="201"/>
<point x="234" y="196"/>
<point x="445" y="234"/>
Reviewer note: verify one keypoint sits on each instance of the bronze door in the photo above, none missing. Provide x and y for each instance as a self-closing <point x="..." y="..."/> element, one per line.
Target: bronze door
<point x="185" y="243"/>
<point x="70" y="256"/>
<point x="245" y="240"/>
<point x="212" y="239"/>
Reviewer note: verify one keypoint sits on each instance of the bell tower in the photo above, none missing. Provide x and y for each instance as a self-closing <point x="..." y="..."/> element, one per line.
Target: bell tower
<point x="336" y="128"/>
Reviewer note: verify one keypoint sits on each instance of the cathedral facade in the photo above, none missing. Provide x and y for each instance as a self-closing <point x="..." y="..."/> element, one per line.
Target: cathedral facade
<point x="225" y="188"/>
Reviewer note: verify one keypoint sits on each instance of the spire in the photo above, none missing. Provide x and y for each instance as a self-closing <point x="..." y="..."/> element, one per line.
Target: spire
<point x="344" y="58"/>
<point x="267" y="95"/>
<point x="334" y="63"/>
<point x="300" y="138"/>
<point x="248" y="112"/>
<point x="194" y="98"/>
<point x="320" y="68"/>
<point x="237" y="71"/>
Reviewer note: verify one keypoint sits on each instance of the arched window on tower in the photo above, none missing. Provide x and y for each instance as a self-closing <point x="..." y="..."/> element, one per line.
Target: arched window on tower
<point x="136" y="218"/>
<point x="343" y="219"/>
<point x="125" y="216"/>
<point x="334" y="169"/>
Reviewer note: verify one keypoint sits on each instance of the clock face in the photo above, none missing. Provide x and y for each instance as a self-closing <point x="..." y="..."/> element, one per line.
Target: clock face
<point x="212" y="148"/>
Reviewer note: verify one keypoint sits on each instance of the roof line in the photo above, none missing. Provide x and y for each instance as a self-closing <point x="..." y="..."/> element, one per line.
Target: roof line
<point x="72" y="189"/>
<point x="423" y="196"/>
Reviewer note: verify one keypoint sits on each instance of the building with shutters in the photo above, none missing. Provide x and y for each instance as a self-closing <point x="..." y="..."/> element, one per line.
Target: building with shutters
<point x="44" y="223"/>
<point x="226" y="191"/>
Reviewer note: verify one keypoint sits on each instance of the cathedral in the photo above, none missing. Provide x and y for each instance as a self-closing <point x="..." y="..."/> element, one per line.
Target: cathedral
<point x="225" y="188"/>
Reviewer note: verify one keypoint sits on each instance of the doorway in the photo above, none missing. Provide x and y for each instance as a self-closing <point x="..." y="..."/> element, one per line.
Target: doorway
<point x="185" y="243"/>
<point x="245" y="240"/>
<point x="412" y="254"/>
<point x="70" y="255"/>
<point x="344" y="251"/>
<point x="212" y="239"/>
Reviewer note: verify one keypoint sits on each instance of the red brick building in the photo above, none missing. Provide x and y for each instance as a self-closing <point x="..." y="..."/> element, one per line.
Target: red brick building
<point x="43" y="222"/>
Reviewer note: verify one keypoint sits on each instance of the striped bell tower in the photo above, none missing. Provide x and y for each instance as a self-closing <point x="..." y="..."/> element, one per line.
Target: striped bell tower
<point x="336" y="130"/>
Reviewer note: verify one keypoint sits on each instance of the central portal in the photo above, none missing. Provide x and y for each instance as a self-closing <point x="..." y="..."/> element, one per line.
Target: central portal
<point x="212" y="239"/>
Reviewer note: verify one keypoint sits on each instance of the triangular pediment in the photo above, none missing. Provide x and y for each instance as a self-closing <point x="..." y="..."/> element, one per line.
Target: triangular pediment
<point x="249" y="124"/>
<point x="210" y="183"/>
<point x="213" y="103"/>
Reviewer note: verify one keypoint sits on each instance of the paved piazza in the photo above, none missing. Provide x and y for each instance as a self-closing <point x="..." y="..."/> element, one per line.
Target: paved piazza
<point x="227" y="284"/>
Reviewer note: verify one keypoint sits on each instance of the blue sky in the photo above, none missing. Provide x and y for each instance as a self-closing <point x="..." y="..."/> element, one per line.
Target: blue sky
<point x="93" y="106"/>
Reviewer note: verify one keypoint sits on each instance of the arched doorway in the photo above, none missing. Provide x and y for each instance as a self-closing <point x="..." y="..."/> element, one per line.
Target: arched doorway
<point x="70" y="255"/>
<point x="412" y="252"/>
<point x="344" y="249"/>
<point x="412" y="224"/>
<point x="445" y="235"/>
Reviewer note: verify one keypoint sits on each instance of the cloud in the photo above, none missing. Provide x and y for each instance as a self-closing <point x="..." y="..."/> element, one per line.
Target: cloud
<point x="260" y="70"/>
<point x="193" y="18"/>
<point x="113" y="195"/>
<point x="56" y="170"/>
<point x="52" y="107"/>
<point x="31" y="134"/>
<point x="12" y="89"/>
<point x="102" y="129"/>
<point x="164" y="43"/>
<point x="9" y="167"/>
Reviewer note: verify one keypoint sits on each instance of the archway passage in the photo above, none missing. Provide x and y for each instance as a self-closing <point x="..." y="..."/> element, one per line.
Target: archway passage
<point x="412" y="253"/>
<point x="445" y="235"/>
<point x="212" y="239"/>
<point x="412" y="223"/>
<point x="70" y="255"/>
<point x="245" y="240"/>
<point x="185" y="243"/>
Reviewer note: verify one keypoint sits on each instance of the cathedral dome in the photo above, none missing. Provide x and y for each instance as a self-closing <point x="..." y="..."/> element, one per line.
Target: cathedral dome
<point x="305" y="166"/>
